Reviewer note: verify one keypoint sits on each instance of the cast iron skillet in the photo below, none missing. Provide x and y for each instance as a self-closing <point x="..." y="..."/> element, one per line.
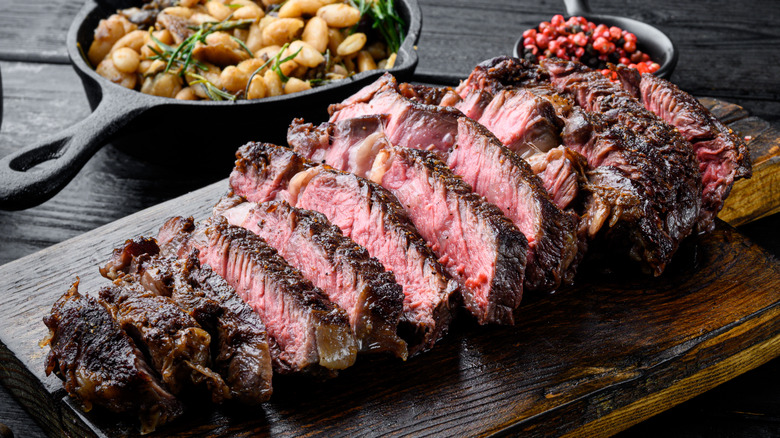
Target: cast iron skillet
<point x="650" y="40"/>
<point x="191" y="133"/>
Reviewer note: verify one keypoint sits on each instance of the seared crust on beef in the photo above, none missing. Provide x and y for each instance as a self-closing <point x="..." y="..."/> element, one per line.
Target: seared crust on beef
<point x="336" y="264"/>
<point x="101" y="365"/>
<point x="178" y="347"/>
<point x="723" y="156"/>
<point x="239" y="340"/>
<point x="488" y="258"/>
<point x="501" y="72"/>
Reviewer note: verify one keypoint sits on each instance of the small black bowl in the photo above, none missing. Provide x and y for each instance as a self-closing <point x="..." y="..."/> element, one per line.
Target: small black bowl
<point x="650" y="40"/>
<point x="199" y="134"/>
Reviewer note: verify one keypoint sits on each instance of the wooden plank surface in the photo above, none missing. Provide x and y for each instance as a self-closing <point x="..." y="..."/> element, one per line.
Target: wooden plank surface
<point x="612" y="342"/>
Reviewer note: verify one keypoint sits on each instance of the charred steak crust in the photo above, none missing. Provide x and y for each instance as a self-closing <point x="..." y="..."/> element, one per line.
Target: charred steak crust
<point x="101" y="365"/>
<point x="505" y="289"/>
<point x="340" y="267"/>
<point x="501" y="72"/>
<point x="178" y="347"/>
<point x="723" y="156"/>
<point x="239" y="341"/>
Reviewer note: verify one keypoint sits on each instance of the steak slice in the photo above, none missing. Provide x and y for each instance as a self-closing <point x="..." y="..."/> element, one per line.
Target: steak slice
<point x="495" y="74"/>
<point x="491" y="169"/>
<point x="428" y="126"/>
<point x="507" y="181"/>
<point x="523" y="121"/>
<point x="477" y="244"/>
<point x="272" y="165"/>
<point x="178" y="347"/>
<point x="646" y="150"/>
<point x="101" y="365"/>
<point x="373" y="218"/>
<point x="241" y="353"/>
<point x="341" y="268"/>
<point x="723" y="156"/>
<point x="307" y="332"/>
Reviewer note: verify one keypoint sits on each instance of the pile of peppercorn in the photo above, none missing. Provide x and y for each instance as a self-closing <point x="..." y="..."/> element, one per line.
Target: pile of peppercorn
<point x="585" y="41"/>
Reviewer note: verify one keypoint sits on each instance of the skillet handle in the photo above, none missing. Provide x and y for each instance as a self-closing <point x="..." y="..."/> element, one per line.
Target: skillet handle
<point x="577" y="7"/>
<point x="22" y="186"/>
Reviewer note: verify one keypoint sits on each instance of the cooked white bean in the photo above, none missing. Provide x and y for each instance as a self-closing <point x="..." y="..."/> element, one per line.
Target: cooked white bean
<point x="108" y="32"/>
<point x="297" y="8"/>
<point x="233" y="79"/>
<point x="108" y="70"/>
<point x="295" y="85"/>
<point x="250" y="65"/>
<point x="339" y="15"/>
<point x="218" y="10"/>
<point x="308" y="55"/>
<point x="247" y="13"/>
<point x="178" y="11"/>
<point x="365" y="61"/>
<point x="316" y="34"/>
<point x="391" y="60"/>
<point x="335" y="37"/>
<point x="352" y="44"/>
<point x="257" y="89"/>
<point x="126" y="60"/>
<point x="186" y="93"/>
<point x="377" y="50"/>
<point x="273" y="84"/>
<point x="162" y="84"/>
<point x="282" y="31"/>
<point x="200" y="18"/>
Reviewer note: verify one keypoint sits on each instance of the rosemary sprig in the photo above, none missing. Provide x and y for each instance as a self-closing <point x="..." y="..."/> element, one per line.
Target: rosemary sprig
<point x="212" y="91"/>
<point x="385" y="19"/>
<point x="275" y="67"/>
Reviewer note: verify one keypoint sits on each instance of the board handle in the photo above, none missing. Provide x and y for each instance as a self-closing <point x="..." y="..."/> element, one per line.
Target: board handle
<point x="22" y="185"/>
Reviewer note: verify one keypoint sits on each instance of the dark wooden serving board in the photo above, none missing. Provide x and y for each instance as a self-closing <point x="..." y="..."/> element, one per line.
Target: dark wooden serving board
<point x="588" y="360"/>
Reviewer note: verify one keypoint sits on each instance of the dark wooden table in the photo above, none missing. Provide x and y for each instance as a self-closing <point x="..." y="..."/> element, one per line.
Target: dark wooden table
<point x="728" y="50"/>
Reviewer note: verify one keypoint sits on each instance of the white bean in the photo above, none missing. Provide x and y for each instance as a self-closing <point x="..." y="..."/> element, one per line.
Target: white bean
<point x="339" y="15"/>
<point x="257" y="89"/>
<point x="297" y="8"/>
<point x="295" y="85"/>
<point x="308" y="55"/>
<point x="365" y="61"/>
<point x="316" y="34"/>
<point x="352" y="44"/>
<point x="126" y="60"/>
<point x="282" y="31"/>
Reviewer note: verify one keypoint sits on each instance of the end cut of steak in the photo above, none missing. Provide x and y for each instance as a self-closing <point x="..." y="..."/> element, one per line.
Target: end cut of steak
<point x="101" y="365"/>
<point x="723" y="156"/>
<point x="341" y="268"/>
<point x="373" y="218"/>
<point x="493" y="75"/>
<point x="307" y="332"/>
<point x="239" y="340"/>
<point x="477" y="244"/>
<point x="178" y="347"/>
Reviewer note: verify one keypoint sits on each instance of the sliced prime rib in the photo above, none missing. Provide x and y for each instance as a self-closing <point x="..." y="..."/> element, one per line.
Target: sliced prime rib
<point x="722" y="155"/>
<point x="178" y="347"/>
<point x="239" y="339"/>
<point x="344" y="270"/>
<point x="491" y="169"/>
<point x="477" y="244"/>
<point x="428" y="126"/>
<point x="373" y="218"/>
<point x="101" y="365"/>
<point x="307" y="332"/>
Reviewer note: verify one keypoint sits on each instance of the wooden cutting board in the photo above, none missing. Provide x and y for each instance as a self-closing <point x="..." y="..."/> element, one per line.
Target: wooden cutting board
<point x="588" y="360"/>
